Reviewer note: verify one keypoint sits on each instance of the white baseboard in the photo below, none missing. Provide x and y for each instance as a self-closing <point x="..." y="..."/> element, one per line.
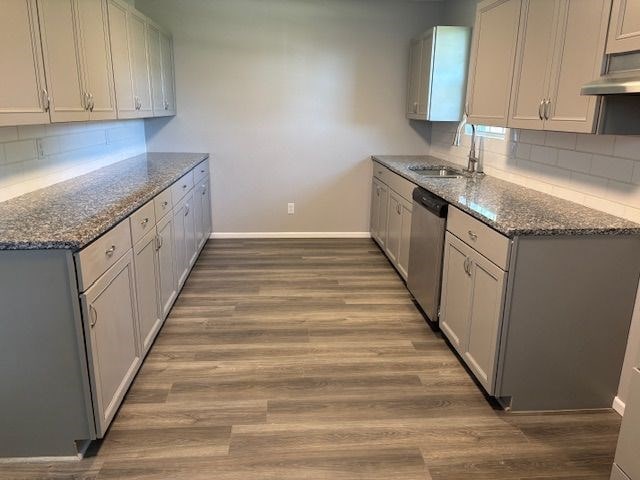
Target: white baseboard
<point x="290" y="235"/>
<point x="618" y="406"/>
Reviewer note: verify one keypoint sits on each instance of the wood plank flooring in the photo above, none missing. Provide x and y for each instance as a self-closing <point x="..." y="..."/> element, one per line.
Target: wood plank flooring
<point x="307" y="359"/>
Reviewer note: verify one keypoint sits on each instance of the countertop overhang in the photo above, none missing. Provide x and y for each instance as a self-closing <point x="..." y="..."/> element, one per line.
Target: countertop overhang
<point x="71" y="214"/>
<point x="510" y="209"/>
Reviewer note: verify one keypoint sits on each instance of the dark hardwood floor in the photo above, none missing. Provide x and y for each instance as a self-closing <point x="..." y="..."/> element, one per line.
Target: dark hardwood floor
<point x="307" y="359"/>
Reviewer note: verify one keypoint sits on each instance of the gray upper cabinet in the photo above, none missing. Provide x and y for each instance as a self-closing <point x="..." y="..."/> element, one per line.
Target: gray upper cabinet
<point x="77" y="54"/>
<point x="560" y="48"/>
<point x="492" y="58"/>
<point x="162" y="71"/>
<point x="110" y="315"/>
<point x="23" y="96"/>
<point x="438" y="62"/>
<point x="624" y="29"/>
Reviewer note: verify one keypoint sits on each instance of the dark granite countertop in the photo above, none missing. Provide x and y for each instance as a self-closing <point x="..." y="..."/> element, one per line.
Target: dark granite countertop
<point x="73" y="213"/>
<point x="509" y="208"/>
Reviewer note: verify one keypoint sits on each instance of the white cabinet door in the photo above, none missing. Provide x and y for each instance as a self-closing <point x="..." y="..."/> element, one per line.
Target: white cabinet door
<point x="624" y="29"/>
<point x="147" y="270"/>
<point x="155" y="67"/>
<point x="122" y="67"/>
<point x="426" y="57"/>
<point x="168" y="74"/>
<point x="394" y="227"/>
<point x="491" y="64"/>
<point x="97" y="67"/>
<point x="413" y="87"/>
<point x="486" y="316"/>
<point x="405" y="238"/>
<point x="533" y="63"/>
<point x="137" y="29"/>
<point x="63" y="60"/>
<point x="167" y="278"/>
<point x="23" y="95"/>
<point x="579" y="58"/>
<point x="110" y="316"/>
<point x="627" y="451"/>
<point x="457" y="286"/>
<point x="375" y="209"/>
<point x="190" y="228"/>
<point x="181" y="260"/>
<point x="203" y="212"/>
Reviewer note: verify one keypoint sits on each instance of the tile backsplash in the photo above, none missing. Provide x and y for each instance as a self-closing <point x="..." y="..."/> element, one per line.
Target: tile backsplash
<point x="35" y="156"/>
<point x="599" y="171"/>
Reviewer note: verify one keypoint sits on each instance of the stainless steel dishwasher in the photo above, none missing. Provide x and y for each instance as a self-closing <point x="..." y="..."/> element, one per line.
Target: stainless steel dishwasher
<point x="426" y="250"/>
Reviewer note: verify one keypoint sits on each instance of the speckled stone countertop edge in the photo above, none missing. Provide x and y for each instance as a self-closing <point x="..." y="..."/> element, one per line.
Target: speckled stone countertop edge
<point x="75" y="246"/>
<point x="511" y="233"/>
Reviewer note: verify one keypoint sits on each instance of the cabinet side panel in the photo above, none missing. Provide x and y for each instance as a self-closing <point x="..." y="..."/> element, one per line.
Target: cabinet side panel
<point x="568" y="320"/>
<point x="45" y="398"/>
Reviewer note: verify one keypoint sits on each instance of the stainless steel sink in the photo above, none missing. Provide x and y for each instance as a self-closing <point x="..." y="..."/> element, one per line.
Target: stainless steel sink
<point x="437" y="171"/>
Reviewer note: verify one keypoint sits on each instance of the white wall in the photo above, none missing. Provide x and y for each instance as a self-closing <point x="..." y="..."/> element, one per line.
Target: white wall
<point x="599" y="171"/>
<point x="36" y="156"/>
<point x="291" y="97"/>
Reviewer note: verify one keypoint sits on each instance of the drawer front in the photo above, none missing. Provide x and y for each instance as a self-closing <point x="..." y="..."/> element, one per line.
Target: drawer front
<point x="380" y="172"/>
<point x="200" y="171"/>
<point x="398" y="183"/>
<point x="483" y="239"/>
<point x="143" y="220"/>
<point x="181" y="187"/>
<point x="94" y="260"/>
<point x="163" y="203"/>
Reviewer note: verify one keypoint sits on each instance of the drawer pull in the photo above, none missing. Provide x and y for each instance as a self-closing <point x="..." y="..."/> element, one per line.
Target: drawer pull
<point x="165" y="203"/>
<point x="109" y="252"/>
<point x="144" y="222"/>
<point x="93" y="316"/>
<point x="472" y="235"/>
<point x="184" y="186"/>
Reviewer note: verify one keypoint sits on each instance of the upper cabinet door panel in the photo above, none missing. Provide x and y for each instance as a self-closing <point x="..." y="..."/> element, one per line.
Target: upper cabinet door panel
<point x="62" y="56"/>
<point x="23" y="93"/>
<point x="579" y="58"/>
<point x="168" y="74"/>
<point x="138" y="50"/>
<point x="98" y="73"/>
<point x="492" y="59"/>
<point x="122" y="67"/>
<point x="533" y="62"/>
<point x="155" y="67"/>
<point x="415" y="64"/>
<point x="624" y="29"/>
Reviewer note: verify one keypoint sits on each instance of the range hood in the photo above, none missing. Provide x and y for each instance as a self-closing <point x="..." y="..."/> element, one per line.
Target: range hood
<point x="619" y="95"/>
<point x="614" y="84"/>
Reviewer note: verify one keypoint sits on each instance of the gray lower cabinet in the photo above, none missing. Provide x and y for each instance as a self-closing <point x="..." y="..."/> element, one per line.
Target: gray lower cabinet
<point x="147" y="269"/>
<point x="379" y="203"/>
<point x="471" y="308"/>
<point x="398" y="232"/>
<point x="627" y="460"/>
<point x="168" y="287"/>
<point x="184" y="230"/>
<point x="202" y="212"/>
<point x="113" y="347"/>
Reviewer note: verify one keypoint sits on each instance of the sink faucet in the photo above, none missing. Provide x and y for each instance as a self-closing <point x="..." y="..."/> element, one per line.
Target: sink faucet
<point x="474" y="163"/>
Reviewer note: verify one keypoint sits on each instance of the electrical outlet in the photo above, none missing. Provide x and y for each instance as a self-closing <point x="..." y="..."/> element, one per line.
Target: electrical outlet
<point x="291" y="208"/>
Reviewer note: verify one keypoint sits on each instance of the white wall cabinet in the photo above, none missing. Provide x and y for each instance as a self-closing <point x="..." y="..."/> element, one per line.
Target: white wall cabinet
<point x="77" y="55"/>
<point x="624" y="28"/>
<point x="162" y="70"/>
<point x="24" y="95"/>
<point x="110" y="315"/>
<point x="491" y="64"/>
<point x="131" y="67"/>
<point x="560" y="48"/>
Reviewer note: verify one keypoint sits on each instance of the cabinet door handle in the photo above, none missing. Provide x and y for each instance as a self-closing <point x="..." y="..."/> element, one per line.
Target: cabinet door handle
<point x="540" y="109"/>
<point x="184" y="186"/>
<point x="46" y="100"/>
<point x="204" y="190"/>
<point x="91" y="103"/>
<point x="467" y="266"/>
<point x="547" y="104"/>
<point x="109" y="252"/>
<point x="186" y="210"/>
<point x="472" y="235"/>
<point x="93" y="316"/>
<point x="158" y="242"/>
<point x="144" y="222"/>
